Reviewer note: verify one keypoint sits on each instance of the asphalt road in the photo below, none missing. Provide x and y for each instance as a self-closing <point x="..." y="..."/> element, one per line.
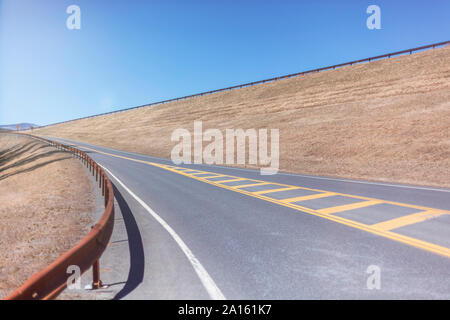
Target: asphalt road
<point x="201" y="234"/>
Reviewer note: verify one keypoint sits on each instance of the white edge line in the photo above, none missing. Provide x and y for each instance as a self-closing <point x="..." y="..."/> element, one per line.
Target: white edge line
<point x="209" y="284"/>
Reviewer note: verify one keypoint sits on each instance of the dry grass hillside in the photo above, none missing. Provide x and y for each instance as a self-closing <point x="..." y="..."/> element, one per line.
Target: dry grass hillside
<point x="386" y="120"/>
<point x="41" y="215"/>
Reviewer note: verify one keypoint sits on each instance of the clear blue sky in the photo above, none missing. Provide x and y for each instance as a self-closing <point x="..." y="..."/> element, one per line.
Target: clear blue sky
<point x="130" y="53"/>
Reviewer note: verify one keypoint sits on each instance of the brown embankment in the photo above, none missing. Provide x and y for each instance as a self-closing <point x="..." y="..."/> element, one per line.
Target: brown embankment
<point x="385" y="120"/>
<point x="46" y="203"/>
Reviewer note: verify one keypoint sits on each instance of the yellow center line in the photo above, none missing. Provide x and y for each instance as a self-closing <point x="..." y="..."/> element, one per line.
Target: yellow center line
<point x="275" y="190"/>
<point x="349" y="207"/>
<point x="207" y="175"/>
<point x="310" y="197"/>
<point x="198" y="172"/>
<point x="230" y="180"/>
<point x="252" y="185"/>
<point x="211" y="175"/>
<point x="431" y="247"/>
<point x="216" y="176"/>
<point x="407" y="220"/>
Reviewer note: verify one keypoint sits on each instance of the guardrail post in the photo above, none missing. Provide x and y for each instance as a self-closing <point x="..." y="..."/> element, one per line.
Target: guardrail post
<point x="106" y="195"/>
<point x="96" y="282"/>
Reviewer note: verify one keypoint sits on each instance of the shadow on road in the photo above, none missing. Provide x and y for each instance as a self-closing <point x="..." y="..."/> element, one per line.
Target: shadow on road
<point x="137" y="258"/>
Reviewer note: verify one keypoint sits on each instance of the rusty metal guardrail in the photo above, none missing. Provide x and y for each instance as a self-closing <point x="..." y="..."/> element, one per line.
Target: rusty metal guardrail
<point x="52" y="280"/>
<point x="387" y="55"/>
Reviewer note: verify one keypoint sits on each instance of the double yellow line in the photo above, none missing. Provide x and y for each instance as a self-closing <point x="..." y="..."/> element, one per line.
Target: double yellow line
<point x="380" y="229"/>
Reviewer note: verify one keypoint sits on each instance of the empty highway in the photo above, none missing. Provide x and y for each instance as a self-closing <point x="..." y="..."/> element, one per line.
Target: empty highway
<point x="211" y="232"/>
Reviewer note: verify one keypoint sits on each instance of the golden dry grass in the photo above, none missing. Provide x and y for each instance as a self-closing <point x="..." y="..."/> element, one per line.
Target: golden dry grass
<point x="46" y="203"/>
<point x="386" y="120"/>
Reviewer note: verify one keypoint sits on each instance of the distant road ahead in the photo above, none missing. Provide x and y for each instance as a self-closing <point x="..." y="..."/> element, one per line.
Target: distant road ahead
<point x="200" y="232"/>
